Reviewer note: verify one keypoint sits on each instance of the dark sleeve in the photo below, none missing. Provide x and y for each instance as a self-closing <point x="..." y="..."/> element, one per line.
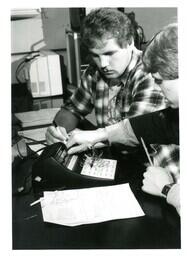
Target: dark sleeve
<point x="161" y="127"/>
<point x="66" y="119"/>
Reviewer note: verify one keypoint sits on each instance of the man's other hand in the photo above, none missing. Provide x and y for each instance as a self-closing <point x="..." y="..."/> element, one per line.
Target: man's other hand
<point x="56" y="134"/>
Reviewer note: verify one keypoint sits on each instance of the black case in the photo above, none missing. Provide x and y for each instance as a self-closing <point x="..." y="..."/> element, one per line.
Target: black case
<point x="50" y="173"/>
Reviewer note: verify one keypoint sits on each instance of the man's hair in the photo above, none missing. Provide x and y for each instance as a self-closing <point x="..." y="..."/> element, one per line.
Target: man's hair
<point x="161" y="53"/>
<point x="106" y="23"/>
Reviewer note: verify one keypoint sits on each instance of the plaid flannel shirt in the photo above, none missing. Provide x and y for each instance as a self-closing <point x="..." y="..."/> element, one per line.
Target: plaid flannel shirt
<point x="138" y="95"/>
<point x="167" y="156"/>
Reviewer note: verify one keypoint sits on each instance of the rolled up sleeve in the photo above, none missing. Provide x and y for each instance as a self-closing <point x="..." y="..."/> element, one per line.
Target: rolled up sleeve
<point x="122" y="132"/>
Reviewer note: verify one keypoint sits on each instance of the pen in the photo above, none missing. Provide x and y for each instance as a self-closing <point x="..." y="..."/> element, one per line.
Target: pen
<point x="36" y="202"/>
<point x="93" y="158"/>
<point x="146" y="151"/>
<point x="58" y="130"/>
<point x="92" y="161"/>
<point x="30" y="217"/>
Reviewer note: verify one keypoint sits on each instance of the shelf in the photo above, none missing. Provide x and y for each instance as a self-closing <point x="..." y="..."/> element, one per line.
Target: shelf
<point x="17" y="14"/>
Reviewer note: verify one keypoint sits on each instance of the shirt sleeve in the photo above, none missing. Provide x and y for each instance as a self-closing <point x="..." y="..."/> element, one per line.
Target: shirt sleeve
<point x="121" y="132"/>
<point x="157" y="127"/>
<point x="66" y="119"/>
<point x="161" y="127"/>
<point x="80" y="103"/>
<point x="146" y="96"/>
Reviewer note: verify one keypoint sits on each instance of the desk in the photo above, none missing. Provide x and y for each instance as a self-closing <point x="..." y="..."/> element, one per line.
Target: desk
<point x="158" y="229"/>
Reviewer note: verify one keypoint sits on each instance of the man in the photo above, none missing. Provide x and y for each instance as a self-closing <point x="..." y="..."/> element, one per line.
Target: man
<point x="109" y="38"/>
<point x="115" y="85"/>
<point x="157" y="127"/>
<point x="161" y="59"/>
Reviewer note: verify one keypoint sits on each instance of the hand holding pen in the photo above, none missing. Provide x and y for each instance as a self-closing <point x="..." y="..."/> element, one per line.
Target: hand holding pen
<point x="62" y="135"/>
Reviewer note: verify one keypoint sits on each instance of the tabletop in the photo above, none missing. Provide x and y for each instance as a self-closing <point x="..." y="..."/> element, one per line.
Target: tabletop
<point x="158" y="229"/>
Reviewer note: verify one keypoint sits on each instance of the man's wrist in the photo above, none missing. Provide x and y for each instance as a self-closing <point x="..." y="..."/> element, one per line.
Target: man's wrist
<point x="101" y="135"/>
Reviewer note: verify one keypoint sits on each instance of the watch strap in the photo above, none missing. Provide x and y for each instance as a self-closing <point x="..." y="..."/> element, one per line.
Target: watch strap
<point x="166" y="189"/>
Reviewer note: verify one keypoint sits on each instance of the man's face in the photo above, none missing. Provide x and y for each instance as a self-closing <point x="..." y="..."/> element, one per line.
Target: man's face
<point x="111" y="59"/>
<point x="169" y="88"/>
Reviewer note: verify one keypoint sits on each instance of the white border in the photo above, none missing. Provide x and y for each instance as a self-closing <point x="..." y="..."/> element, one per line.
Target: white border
<point x="184" y="11"/>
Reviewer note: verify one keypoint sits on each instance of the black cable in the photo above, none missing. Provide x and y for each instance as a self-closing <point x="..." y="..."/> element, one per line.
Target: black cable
<point x="21" y="66"/>
<point x="18" y="150"/>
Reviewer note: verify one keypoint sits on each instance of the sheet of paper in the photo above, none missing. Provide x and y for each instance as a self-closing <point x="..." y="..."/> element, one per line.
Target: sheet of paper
<point x="102" y="168"/>
<point x="39" y="117"/>
<point x="37" y="148"/>
<point x="35" y="134"/>
<point x="90" y="205"/>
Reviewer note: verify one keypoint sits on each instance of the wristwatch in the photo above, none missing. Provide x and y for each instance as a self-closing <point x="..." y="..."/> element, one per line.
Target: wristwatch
<point x="166" y="189"/>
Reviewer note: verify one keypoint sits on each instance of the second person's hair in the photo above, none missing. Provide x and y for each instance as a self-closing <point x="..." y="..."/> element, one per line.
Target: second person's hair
<point x="161" y="54"/>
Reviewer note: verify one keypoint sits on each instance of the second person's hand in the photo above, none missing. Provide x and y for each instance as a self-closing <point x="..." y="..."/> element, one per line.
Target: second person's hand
<point x="83" y="140"/>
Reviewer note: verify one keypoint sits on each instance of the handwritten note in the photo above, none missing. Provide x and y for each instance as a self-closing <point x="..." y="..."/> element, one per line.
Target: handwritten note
<point x="102" y="168"/>
<point x="90" y="205"/>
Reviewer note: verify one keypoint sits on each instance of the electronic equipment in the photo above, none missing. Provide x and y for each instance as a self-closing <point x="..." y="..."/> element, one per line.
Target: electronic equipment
<point x="45" y="74"/>
<point x="54" y="170"/>
<point x="73" y="57"/>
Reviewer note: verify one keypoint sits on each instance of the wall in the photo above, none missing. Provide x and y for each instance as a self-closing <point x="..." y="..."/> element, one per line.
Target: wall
<point x="47" y="30"/>
<point x="153" y="19"/>
<point x="44" y="31"/>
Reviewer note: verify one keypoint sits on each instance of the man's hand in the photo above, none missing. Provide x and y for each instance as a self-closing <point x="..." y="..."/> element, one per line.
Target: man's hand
<point x="83" y="140"/>
<point x="56" y="134"/>
<point x="155" y="178"/>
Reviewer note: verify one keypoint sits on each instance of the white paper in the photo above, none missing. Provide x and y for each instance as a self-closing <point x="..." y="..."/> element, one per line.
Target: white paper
<point x="37" y="134"/>
<point x="39" y="117"/>
<point x="90" y="205"/>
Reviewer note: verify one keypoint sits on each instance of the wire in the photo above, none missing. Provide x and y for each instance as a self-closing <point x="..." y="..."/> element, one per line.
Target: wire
<point x="18" y="70"/>
<point x="22" y="65"/>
